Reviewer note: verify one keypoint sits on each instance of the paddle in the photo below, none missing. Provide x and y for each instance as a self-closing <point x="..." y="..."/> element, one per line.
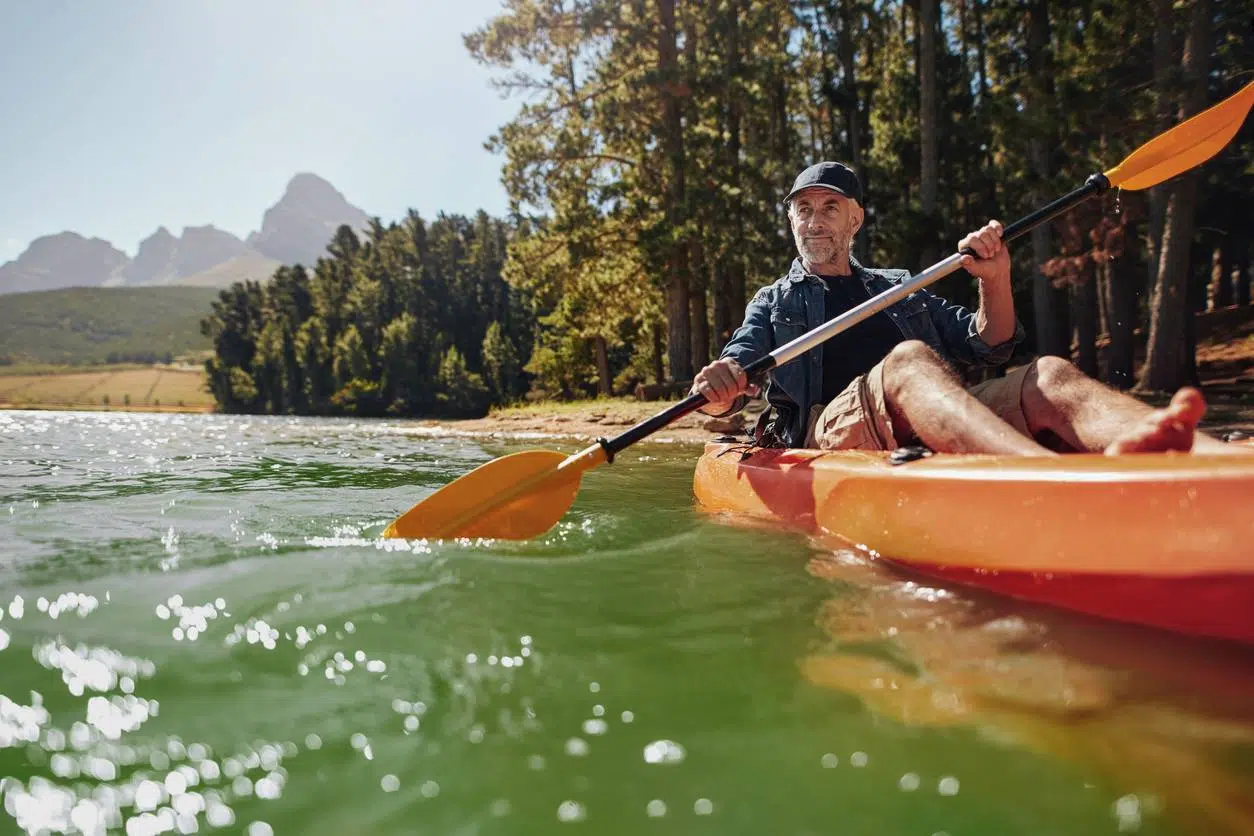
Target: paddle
<point x="523" y="495"/>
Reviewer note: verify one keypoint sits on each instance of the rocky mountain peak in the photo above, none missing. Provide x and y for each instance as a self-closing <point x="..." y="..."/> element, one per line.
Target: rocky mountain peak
<point x="66" y="259"/>
<point x="296" y="230"/>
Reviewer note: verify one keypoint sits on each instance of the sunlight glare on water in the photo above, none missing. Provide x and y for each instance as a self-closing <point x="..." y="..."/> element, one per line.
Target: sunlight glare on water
<point x="202" y="629"/>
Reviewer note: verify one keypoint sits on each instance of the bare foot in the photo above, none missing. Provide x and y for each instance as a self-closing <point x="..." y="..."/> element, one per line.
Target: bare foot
<point x="1170" y="428"/>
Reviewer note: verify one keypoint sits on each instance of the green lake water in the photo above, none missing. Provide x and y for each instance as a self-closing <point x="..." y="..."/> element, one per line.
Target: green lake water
<point x="203" y="632"/>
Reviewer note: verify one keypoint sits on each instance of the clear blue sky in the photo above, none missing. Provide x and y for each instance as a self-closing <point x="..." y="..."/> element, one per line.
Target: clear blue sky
<point x="119" y="117"/>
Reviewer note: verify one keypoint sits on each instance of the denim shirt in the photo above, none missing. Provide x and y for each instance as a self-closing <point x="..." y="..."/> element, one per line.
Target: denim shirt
<point x="793" y="305"/>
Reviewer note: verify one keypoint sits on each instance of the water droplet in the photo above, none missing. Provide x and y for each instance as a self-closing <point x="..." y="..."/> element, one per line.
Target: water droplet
<point x="829" y="761"/>
<point x="218" y="814"/>
<point x="576" y="747"/>
<point x="664" y="752"/>
<point x="390" y="783"/>
<point x="176" y="783"/>
<point x="569" y="811"/>
<point x="858" y="759"/>
<point x="703" y="807"/>
<point x="948" y="785"/>
<point x="147" y="796"/>
<point x="908" y="782"/>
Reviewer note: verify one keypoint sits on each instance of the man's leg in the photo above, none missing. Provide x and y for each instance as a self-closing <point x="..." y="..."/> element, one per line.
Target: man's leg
<point x="926" y="399"/>
<point x="1088" y="415"/>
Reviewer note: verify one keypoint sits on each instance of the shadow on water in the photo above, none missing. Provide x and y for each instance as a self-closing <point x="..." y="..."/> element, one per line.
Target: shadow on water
<point x="1165" y="722"/>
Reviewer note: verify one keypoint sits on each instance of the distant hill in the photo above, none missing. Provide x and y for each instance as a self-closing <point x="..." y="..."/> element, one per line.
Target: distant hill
<point x="61" y="260"/>
<point x="251" y="265"/>
<point x="296" y="230"/>
<point x="165" y="259"/>
<point x="88" y="325"/>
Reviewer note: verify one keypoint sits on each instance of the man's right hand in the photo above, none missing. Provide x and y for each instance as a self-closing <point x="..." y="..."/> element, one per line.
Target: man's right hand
<point x="722" y="382"/>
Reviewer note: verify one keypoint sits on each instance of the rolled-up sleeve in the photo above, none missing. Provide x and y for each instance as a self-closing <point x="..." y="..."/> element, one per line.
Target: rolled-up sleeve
<point x="957" y="329"/>
<point x="751" y="340"/>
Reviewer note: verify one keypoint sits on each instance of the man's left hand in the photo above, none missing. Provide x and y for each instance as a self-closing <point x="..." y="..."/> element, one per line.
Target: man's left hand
<point x="992" y="263"/>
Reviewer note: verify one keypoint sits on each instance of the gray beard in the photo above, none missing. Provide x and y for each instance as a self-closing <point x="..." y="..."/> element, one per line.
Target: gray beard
<point x="822" y="253"/>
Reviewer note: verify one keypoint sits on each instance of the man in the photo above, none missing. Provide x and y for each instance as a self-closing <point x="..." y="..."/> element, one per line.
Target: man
<point x="890" y="380"/>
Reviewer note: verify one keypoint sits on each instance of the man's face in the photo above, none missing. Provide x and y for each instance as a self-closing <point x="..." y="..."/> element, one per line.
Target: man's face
<point x="823" y="223"/>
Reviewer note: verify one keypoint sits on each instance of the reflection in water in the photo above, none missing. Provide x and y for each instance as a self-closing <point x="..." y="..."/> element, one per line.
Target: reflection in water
<point x="1163" y="719"/>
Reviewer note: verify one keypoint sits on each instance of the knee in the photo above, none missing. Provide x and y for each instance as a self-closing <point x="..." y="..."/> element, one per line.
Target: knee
<point x="910" y="362"/>
<point x="912" y="354"/>
<point x="1052" y="374"/>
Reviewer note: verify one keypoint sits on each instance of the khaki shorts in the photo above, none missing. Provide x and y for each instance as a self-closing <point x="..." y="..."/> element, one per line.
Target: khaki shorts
<point x="858" y="418"/>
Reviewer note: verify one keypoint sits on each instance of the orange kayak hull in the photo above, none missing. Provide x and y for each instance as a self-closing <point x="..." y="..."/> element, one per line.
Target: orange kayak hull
<point x="1162" y="540"/>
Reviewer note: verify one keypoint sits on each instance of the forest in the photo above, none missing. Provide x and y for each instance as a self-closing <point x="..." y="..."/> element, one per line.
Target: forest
<point x="653" y="144"/>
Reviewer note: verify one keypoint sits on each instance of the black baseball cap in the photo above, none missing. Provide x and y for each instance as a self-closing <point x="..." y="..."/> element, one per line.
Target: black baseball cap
<point x="836" y="177"/>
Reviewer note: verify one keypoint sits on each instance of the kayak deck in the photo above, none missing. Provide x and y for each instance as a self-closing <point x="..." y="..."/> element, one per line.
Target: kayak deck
<point x="1165" y="540"/>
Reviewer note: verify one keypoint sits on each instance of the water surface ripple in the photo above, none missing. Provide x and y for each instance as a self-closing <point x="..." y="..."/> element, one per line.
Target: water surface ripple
<point x="201" y="631"/>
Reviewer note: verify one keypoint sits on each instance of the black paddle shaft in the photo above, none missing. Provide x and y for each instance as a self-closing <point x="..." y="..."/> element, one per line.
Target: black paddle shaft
<point x="756" y="371"/>
<point x="1096" y="184"/>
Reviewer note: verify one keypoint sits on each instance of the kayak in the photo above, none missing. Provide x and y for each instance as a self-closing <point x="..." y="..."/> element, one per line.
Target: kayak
<point x="1164" y="540"/>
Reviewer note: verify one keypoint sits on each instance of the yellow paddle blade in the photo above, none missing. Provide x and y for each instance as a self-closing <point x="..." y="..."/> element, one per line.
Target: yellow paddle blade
<point x="515" y="497"/>
<point x="1188" y="144"/>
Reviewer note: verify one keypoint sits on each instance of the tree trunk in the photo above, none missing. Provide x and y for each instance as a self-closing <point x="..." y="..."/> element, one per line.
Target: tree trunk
<point x="929" y="143"/>
<point x="1168" y="364"/>
<point x="1122" y="276"/>
<point x="989" y="183"/>
<point x="1219" y="290"/>
<point x="729" y="226"/>
<point x="981" y="61"/>
<point x="853" y="110"/>
<point x="739" y="293"/>
<point x="678" y="347"/>
<point x="604" y="381"/>
<point x="736" y="264"/>
<point x="1241" y="276"/>
<point x="830" y="135"/>
<point x="849" y="78"/>
<point x="1084" y="316"/>
<point x="723" y="324"/>
<point x="659" y="374"/>
<point x="1165" y="94"/>
<point x="1052" y="333"/>
<point x="700" y="325"/>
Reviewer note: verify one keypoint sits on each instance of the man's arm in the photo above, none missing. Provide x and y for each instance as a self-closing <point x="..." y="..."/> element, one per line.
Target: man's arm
<point x="995" y="318"/>
<point x="987" y="336"/>
<point x="723" y="382"/>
